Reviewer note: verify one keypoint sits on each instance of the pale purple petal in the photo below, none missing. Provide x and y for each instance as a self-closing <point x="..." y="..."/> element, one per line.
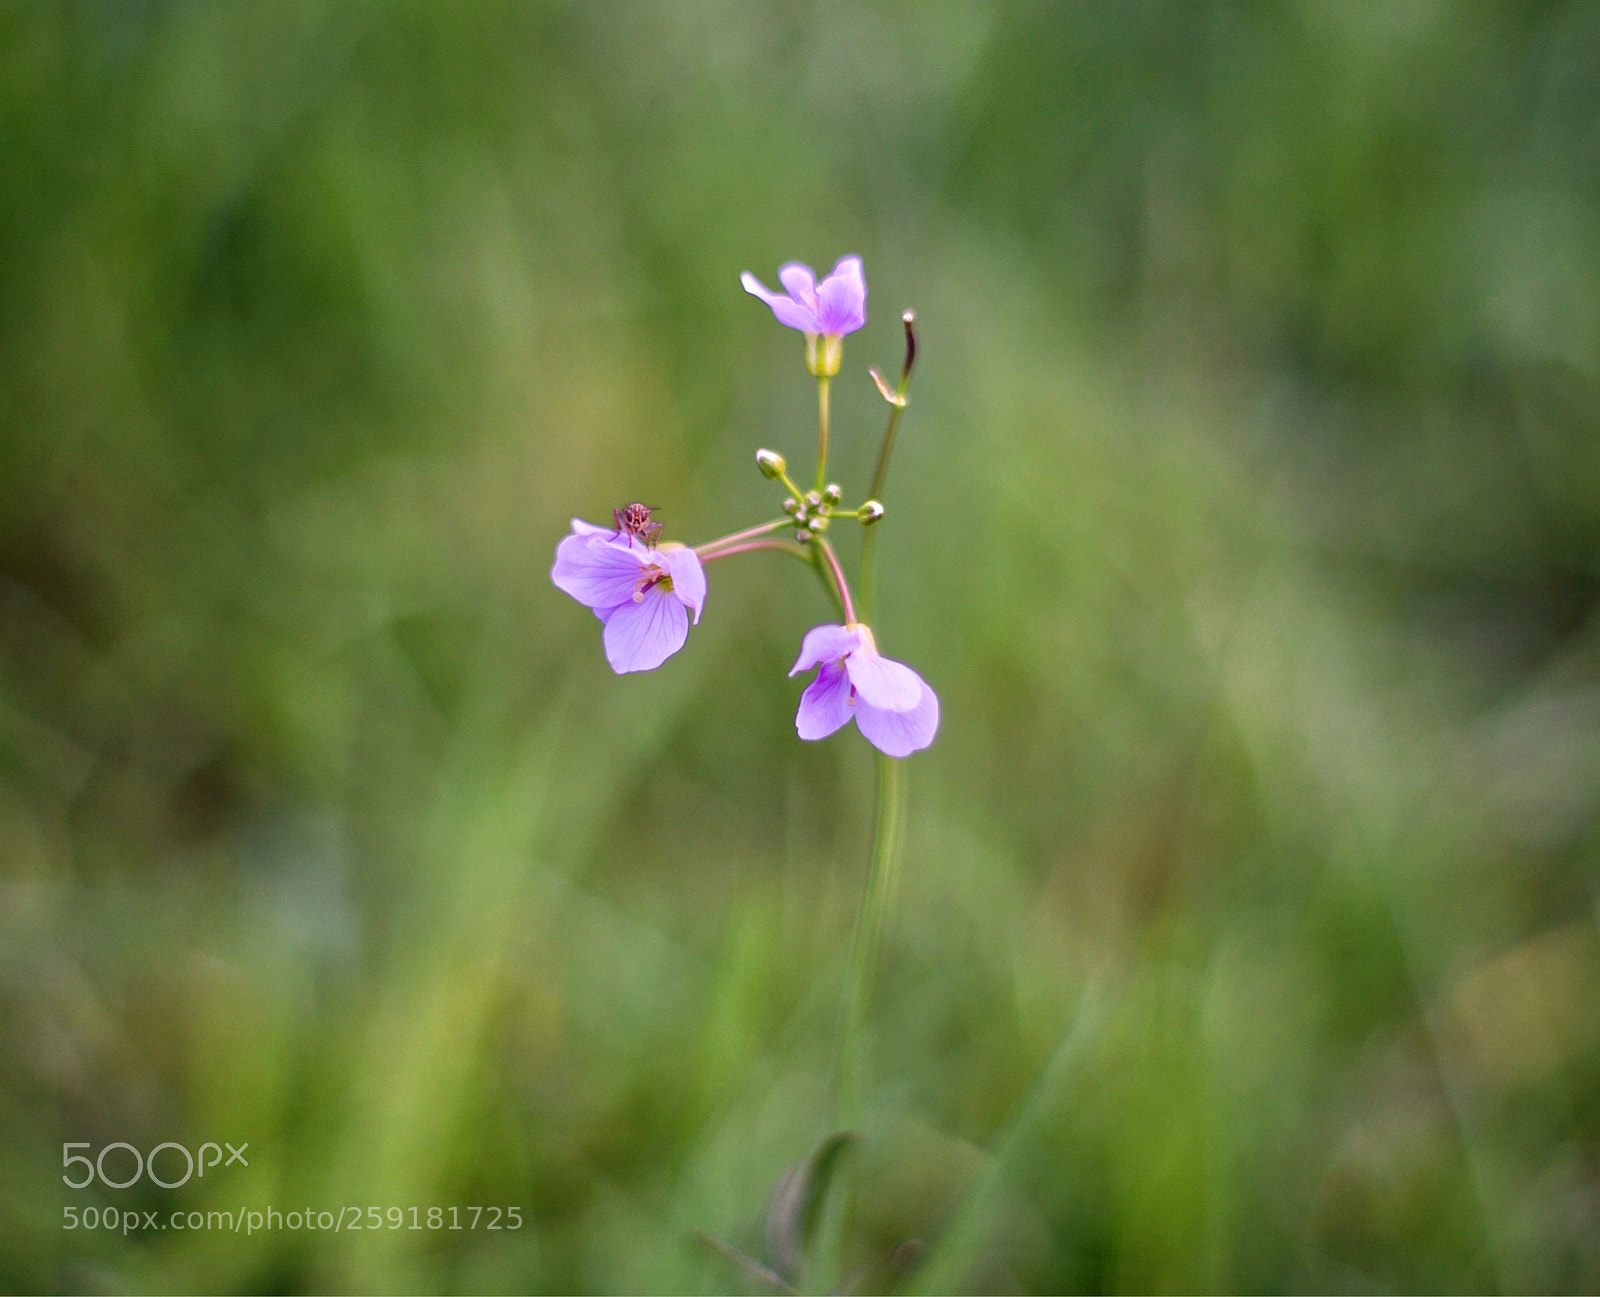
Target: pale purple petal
<point x="824" y="644"/>
<point x="621" y="539"/>
<point x="825" y="705"/>
<point x="641" y="636"/>
<point x="688" y="577"/>
<point x="899" y="734"/>
<point x="789" y="313"/>
<point x="842" y="299"/>
<point x="594" y="571"/>
<point x="800" y="284"/>
<point x="883" y="682"/>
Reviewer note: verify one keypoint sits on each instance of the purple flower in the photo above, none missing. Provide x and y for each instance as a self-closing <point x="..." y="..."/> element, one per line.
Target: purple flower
<point x="892" y="705"/>
<point x="831" y="309"/>
<point x="642" y="594"/>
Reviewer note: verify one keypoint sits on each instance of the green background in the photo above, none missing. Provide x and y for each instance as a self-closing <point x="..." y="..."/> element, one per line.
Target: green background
<point x="1246" y="520"/>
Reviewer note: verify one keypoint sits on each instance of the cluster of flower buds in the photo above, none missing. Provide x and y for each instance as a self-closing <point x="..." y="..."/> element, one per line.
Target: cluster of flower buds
<point x="813" y="510"/>
<point x="643" y="590"/>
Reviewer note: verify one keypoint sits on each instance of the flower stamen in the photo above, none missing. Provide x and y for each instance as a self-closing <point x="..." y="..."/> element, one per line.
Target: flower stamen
<point x="648" y="582"/>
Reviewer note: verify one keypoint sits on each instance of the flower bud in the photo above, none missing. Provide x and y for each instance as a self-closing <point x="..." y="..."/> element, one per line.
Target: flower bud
<point x="819" y="523"/>
<point x="771" y="464"/>
<point x="832" y="493"/>
<point x="802" y="535"/>
<point x="790" y="504"/>
<point x="814" y="498"/>
<point x="870" y="512"/>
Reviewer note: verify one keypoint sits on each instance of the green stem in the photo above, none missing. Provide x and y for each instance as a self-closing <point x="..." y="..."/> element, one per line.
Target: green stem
<point x="881" y="469"/>
<point x="866" y="948"/>
<point x="822" y="431"/>
<point x="869" y="539"/>
<point x="867" y="942"/>
<point x="869" y="568"/>
<point x="794" y="490"/>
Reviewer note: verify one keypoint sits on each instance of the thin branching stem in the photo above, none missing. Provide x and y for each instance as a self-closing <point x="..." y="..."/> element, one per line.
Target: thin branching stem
<point x="787" y="546"/>
<point x="750" y="533"/>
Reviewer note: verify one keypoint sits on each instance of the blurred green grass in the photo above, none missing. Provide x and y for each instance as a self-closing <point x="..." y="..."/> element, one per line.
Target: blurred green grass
<point x="1245" y="519"/>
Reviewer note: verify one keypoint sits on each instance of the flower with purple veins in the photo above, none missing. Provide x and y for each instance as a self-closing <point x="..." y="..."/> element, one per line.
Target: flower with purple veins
<point x="829" y="310"/>
<point x="891" y="704"/>
<point x="642" y="594"/>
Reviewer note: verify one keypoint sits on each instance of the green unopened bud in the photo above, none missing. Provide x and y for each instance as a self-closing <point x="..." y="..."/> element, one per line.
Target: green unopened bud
<point x="870" y="512"/>
<point x="802" y="535"/>
<point x="813" y="498"/>
<point x="832" y="493"/>
<point x="790" y="504"/>
<point x="820" y="522"/>
<point x="771" y="464"/>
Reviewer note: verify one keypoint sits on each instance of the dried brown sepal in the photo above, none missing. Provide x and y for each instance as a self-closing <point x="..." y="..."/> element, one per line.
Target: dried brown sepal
<point x="888" y="393"/>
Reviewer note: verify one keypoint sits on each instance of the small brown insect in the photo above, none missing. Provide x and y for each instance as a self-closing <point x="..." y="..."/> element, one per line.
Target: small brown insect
<point x="634" y="520"/>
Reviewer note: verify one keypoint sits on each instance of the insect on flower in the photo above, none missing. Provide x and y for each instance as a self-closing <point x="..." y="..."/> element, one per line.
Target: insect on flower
<point x="645" y="591"/>
<point x="643" y="594"/>
<point x="634" y="520"/>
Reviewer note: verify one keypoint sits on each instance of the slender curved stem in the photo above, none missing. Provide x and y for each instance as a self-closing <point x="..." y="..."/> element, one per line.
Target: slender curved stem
<point x="829" y="586"/>
<point x="838" y="577"/>
<point x="777" y="524"/>
<point x="787" y="546"/>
